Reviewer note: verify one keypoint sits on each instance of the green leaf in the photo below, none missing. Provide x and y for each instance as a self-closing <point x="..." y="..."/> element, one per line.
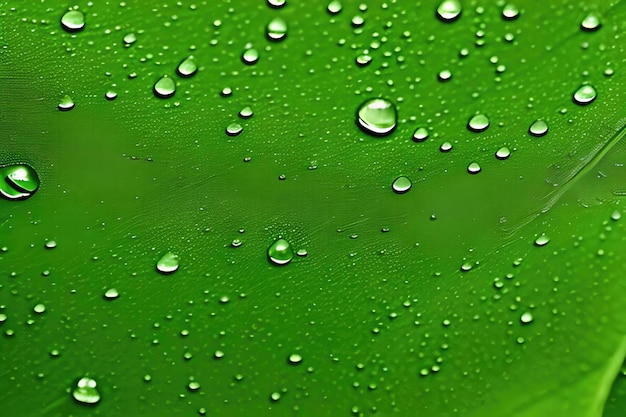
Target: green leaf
<point x="213" y="230"/>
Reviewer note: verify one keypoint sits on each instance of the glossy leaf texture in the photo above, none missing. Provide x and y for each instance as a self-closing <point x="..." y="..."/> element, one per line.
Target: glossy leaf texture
<point x="218" y="229"/>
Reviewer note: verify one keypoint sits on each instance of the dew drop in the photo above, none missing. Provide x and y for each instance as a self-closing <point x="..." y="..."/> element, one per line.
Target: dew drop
<point x="401" y="185"/>
<point x="473" y="168"/>
<point x="86" y="392"/>
<point x="20" y="182"/>
<point x="334" y="7"/>
<point x="51" y="244"/>
<point x="503" y="153"/>
<point x="39" y="308"/>
<point x="295" y="359"/>
<point x="542" y="240"/>
<point x="275" y="396"/>
<point x="510" y="12"/>
<point x="585" y="95"/>
<point x="591" y="23"/>
<point x="420" y="134"/>
<point x="73" y="21"/>
<point x="445" y="147"/>
<point x="616" y="215"/>
<point x="187" y="68"/>
<point x="363" y="60"/>
<point x="478" y="123"/>
<point x="280" y="252"/>
<point x="193" y="386"/>
<point x="250" y="56"/>
<point x="168" y="263"/>
<point x="246" y="113"/>
<point x="110" y="95"/>
<point x="538" y="128"/>
<point x="377" y="116"/>
<point x="111" y="294"/>
<point x="444" y="75"/>
<point x="449" y="10"/>
<point x="234" y="129"/>
<point x="66" y="103"/>
<point x="165" y="87"/>
<point x="129" y="39"/>
<point x="276" y="29"/>
<point x="276" y="4"/>
<point x="526" y="318"/>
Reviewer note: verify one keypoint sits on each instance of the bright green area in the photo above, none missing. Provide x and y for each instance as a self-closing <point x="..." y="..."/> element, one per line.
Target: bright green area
<point x="497" y="293"/>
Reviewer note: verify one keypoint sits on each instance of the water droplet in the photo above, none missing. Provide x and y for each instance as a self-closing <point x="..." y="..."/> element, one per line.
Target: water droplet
<point x="110" y="95"/>
<point x="295" y="359"/>
<point x="510" y="12"/>
<point x="377" y="116"/>
<point x="334" y="7"/>
<point x="280" y="252"/>
<point x="478" y="123"/>
<point x="473" y="168"/>
<point x="73" y="21"/>
<point x="302" y="253"/>
<point x="526" y="318"/>
<point x="39" y="308"/>
<point x="503" y="153"/>
<point x="591" y="22"/>
<point x="363" y="60"/>
<point x="246" y="113"/>
<point x="236" y="243"/>
<point x="616" y="215"/>
<point x="444" y="75"/>
<point x="111" y="294"/>
<point x="20" y="182"/>
<point x="585" y="95"/>
<point x="187" y="68"/>
<point x="275" y="396"/>
<point x="538" y="128"/>
<point x="234" y="129"/>
<point x="250" y="56"/>
<point x="129" y="39"/>
<point x="401" y="185"/>
<point x="168" y="263"/>
<point x="276" y="4"/>
<point x="165" y="87"/>
<point x="51" y="244"/>
<point x="449" y="10"/>
<point x="542" y="240"/>
<point x="218" y="354"/>
<point x="445" y="147"/>
<point x="358" y="21"/>
<point x="193" y="386"/>
<point x="86" y="392"/>
<point x="276" y="29"/>
<point x="66" y="103"/>
<point x="420" y="134"/>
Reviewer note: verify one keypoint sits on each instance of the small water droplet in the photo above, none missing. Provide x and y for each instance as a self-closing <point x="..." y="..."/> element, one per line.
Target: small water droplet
<point x="110" y="95"/>
<point x="363" y="60"/>
<point x="377" y="116"/>
<point x="302" y="253"/>
<point x="168" y="263"/>
<point x="510" y="12"/>
<point x="445" y="147"/>
<point x="478" y="123"/>
<point x="473" y="168"/>
<point x="526" y="318"/>
<point x="50" y="244"/>
<point x="542" y="240"/>
<point x="111" y="294"/>
<point x="420" y="134"/>
<point x="187" y="68"/>
<point x="193" y="386"/>
<point x="280" y="252"/>
<point x="401" y="185"/>
<point x="86" y="392"/>
<point x="616" y="215"/>
<point x="591" y="22"/>
<point x="358" y="21"/>
<point x="165" y="87"/>
<point x="39" y="308"/>
<point x="444" y="75"/>
<point x="334" y="7"/>
<point x="236" y="243"/>
<point x="275" y="396"/>
<point x="276" y="29"/>
<point x="129" y="39"/>
<point x="66" y="103"/>
<point x="18" y="182"/>
<point x="295" y="359"/>
<point x="503" y="153"/>
<point x="538" y="128"/>
<point x="234" y="129"/>
<point x="250" y="56"/>
<point x="73" y="21"/>
<point x="246" y="113"/>
<point x="449" y="10"/>
<point x="276" y="4"/>
<point x="585" y="95"/>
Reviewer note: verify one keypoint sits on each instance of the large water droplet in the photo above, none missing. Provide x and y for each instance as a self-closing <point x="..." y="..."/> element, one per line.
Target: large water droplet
<point x="86" y="392"/>
<point x="276" y="29"/>
<point x="168" y="263"/>
<point x="73" y="21"/>
<point x="510" y="12"/>
<point x="164" y="87"/>
<point x="526" y="318"/>
<point x="66" y="103"/>
<point x="538" y="128"/>
<point x="250" y="56"/>
<point x="585" y="95"/>
<point x="334" y="7"/>
<point x="18" y="182"/>
<point x="449" y="10"/>
<point x="591" y="22"/>
<point x="478" y="123"/>
<point x="377" y="116"/>
<point x="401" y="185"/>
<point x="187" y="68"/>
<point x="280" y="252"/>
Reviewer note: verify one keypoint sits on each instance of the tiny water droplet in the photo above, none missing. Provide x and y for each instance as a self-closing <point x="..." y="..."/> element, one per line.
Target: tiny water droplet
<point x="302" y="253"/>
<point x="591" y="22"/>
<point x="363" y="60"/>
<point x="110" y="95"/>
<point x="377" y="116"/>
<point x="51" y="244"/>
<point x="444" y="75"/>
<point x="503" y="153"/>
<point x="526" y="318"/>
<point x="295" y="359"/>
<point x="280" y="252"/>
<point x="168" y="263"/>
<point x="276" y="29"/>
<point x="165" y="87"/>
<point x="250" y="56"/>
<point x="585" y="95"/>
<point x="401" y="185"/>
<point x="510" y="12"/>
<point x="111" y="294"/>
<point x="275" y="396"/>
<point x="86" y="392"/>
<point x="334" y="7"/>
<point x="187" y="68"/>
<point x="478" y="123"/>
<point x="234" y="129"/>
<point x="66" y="103"/>
<point x="193" y="386"/>
<point x="73" y="21"/>
<point x="246" y="113"/>
<point x="129" y="39"/>
<point x="20" y="182"/>
<point x="542" y="240"/>
<point x="473" y="168"/>
<point x="449" y="10"/>
<point x="420" y="134"/>
<point x="39" y="308"/>
<point x="445" y="147"/>
<point x="538" y="128"/>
